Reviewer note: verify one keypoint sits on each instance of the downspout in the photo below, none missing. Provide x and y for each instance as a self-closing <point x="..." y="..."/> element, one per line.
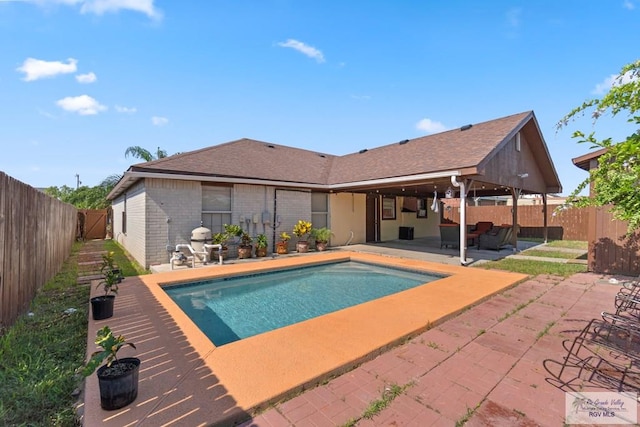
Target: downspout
<point x="463" y="219"/>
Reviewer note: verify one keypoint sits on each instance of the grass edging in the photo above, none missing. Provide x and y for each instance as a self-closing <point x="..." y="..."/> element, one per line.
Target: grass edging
<point x="40" y="353"/>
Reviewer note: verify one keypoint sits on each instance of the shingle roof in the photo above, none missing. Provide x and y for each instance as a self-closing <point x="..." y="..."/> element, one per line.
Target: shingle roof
<point x="461" y="149"/>
<point x="451" y="150"/>
<point x="247" y="158"/>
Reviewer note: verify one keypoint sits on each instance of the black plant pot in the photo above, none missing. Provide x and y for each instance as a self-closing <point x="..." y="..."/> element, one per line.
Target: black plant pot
<point x="102" y="306"/>
<point x="118" y="383"/>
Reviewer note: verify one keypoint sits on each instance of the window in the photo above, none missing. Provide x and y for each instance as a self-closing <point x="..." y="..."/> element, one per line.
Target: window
<point x="422" y="208"/>
<point x="319" y="210"/>
<point x="388" y="207"/>
<point x="216" y="207"/>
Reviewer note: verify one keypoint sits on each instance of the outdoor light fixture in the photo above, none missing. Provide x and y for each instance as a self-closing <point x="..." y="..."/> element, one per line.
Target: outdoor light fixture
<point x="523" y="175"/>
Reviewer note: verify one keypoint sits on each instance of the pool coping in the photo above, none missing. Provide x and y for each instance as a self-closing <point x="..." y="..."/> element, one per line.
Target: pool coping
<point x="248" y="375"/>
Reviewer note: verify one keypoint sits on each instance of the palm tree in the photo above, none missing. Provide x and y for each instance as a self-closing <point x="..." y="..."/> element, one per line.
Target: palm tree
<point x="144" y="154"/>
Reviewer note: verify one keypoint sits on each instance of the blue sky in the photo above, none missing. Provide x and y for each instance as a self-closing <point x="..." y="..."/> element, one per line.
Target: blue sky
<point x="82" y="80"/>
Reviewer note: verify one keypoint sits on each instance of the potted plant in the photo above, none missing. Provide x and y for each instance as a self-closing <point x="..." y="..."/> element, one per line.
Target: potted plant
<point x="219" y="239"/>
<point x="261" y="245"/>
<point x="321" y="236"/>
<point x="245" y="248"/>
<point x="102" y="306"/>
<point x="118" y="378"/>
<point x="232" y="231"/>
<point x="302" y="229"/>
<point x="282" y="246"/>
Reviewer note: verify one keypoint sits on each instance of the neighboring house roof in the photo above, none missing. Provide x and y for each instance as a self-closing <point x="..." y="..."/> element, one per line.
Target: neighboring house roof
<point x="584" y="161"/>
<point x="464" y="151"/>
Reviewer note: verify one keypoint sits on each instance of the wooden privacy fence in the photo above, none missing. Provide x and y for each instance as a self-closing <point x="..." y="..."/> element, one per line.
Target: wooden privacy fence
<point x="36" y="237"/>
<point x="569" y="224"/>
<point x="611" y="251"/>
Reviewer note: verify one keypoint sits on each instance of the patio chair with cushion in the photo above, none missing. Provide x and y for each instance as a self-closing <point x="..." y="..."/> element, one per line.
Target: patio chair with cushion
<point x="495" y="239"/>
<point x="482" y="227"/>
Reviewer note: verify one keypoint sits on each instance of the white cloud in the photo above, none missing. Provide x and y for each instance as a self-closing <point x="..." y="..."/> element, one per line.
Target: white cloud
<point x="83" y="105"/>
<point x="159" y="121"/>
<point x="628" y="4"/>
<point x="429" y="126"/>
<point x="126" y="110"/>
<point x="100" y="7"/>
<point x="86" y="78"/>
<point x="310" y="51"/>
<point x="35" y="69"/>
<point x="609" y="82"/>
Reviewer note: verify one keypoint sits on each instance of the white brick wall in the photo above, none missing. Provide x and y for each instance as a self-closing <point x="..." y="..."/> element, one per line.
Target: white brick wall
<point x="152" y="201"/>
<point x="180" y="202"/>
<point x="134" y="238"/>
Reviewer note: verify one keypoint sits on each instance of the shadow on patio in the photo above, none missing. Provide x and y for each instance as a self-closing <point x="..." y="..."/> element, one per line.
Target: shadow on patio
<point x="175" y="385"/>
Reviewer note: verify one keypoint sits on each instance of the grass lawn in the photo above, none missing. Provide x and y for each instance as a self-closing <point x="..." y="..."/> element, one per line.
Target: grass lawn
<point x="41" y="351"/>
<point x="551" y="254"/>
<point x="534" y="268"/>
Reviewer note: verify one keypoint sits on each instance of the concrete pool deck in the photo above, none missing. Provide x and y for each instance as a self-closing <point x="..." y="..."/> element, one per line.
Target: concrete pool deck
<point x="186" y="380"/>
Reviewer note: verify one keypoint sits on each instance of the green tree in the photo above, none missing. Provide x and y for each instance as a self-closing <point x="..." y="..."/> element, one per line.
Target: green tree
<point x="617" y="178"/>
<point x="85" y="197"/>
<point x="144" y="154"/>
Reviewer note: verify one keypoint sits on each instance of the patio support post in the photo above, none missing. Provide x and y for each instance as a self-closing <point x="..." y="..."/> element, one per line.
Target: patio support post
<point x="545" y="230"/>
<point x="515" y="195"/>
<point x="463" y="219"/>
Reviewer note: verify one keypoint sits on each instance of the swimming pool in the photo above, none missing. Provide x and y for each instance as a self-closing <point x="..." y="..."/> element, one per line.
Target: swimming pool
<point x="230" y="309"/>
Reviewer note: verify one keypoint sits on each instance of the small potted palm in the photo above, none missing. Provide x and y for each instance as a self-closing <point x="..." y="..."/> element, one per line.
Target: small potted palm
<point x="245" y="248"/>
<point x="118" y="378"/>
<point x="321" y="236"/>
<point x="261" y="245"/>
<point x="302" y="229"/>
<point x="282" y="245"/>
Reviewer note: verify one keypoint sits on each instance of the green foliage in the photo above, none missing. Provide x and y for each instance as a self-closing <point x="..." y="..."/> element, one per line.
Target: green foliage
<point x="616" y="179"/>
<point x="321" y="234"/>
<point x="551" y="254"/>
<point x="232" y="230"/>
<point x="40" y="353"/>
<point x="82" y="198"/>
<point x="534" y="268"/>
<point x="261" y="241"/>
<point x="110" y="345"/>
<point x="144" y="154"/>
<point x="245" y="239"/>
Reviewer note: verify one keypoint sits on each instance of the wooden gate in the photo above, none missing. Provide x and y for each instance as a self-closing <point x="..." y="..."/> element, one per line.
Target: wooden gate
<point x="92" y="223"/>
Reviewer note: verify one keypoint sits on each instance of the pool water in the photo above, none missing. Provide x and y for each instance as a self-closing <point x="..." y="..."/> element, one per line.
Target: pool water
<point x="231" y="309"/>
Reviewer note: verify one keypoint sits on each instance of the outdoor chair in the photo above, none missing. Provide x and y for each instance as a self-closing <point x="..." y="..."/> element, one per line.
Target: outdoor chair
<point x="481" y="227"/>
<point x="604" y="351"/>
<point x="495" y="238"/>
<point x="450" y="235"/>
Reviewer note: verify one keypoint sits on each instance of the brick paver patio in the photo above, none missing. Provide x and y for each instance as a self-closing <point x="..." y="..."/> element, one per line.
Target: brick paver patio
<point x="485" y="367"/>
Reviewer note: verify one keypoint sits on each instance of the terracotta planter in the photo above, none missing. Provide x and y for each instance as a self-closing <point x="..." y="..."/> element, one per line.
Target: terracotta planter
<point x="244" y="251"/>
<point x="302" y="246"/>
<point x="282" y="248"/>
<point x="321" y="246"/>
<point x="261" y="252"/>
